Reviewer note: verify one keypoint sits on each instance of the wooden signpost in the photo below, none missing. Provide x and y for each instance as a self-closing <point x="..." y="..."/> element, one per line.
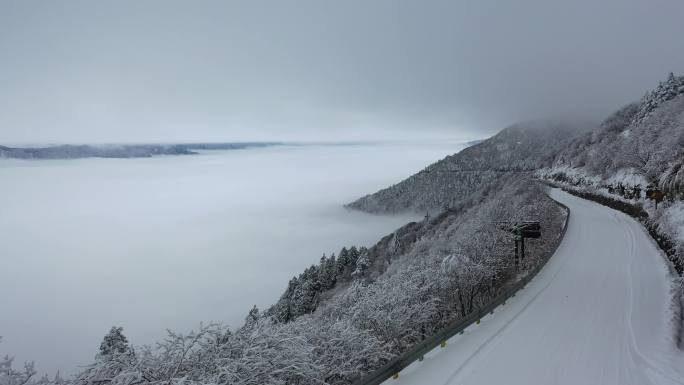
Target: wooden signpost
<point x="527" y="229"/>
<point x="522" y="230"/>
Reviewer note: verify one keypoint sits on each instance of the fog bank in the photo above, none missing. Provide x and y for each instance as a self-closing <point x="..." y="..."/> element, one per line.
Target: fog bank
<point x="168" y="242"/>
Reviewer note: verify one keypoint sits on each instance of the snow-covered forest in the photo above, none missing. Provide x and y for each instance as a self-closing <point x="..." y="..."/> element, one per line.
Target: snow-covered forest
<point x="464" y="179"/>
<point x="353" y="312"/>
<point x="360" y="307"/>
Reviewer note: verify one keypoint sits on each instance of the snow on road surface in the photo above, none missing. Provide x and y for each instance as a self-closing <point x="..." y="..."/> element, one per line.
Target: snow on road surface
<point x="598" y="313"/>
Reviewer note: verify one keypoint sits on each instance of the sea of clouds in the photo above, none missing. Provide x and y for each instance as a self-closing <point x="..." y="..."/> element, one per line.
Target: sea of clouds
<point x="168" y="242"/>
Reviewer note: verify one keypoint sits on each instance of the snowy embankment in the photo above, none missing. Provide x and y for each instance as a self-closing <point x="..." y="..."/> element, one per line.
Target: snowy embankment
<point x="597" y="313"/>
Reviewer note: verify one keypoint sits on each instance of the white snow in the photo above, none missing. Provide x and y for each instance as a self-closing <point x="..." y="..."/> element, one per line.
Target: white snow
<point x="598" y="313"/>
<point x="628" y="177"/>
<point x="674" y="220"/>
<point x="577" y="175"/>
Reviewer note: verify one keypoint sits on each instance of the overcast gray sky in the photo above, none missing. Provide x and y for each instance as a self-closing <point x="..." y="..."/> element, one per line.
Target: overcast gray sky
<point x="130" y="71"/>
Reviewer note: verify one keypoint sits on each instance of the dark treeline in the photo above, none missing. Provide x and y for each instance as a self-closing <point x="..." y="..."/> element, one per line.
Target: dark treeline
<point x="304" y="292"/>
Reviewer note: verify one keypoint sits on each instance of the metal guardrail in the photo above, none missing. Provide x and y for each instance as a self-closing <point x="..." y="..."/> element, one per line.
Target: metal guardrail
<point x="417" y="352"/>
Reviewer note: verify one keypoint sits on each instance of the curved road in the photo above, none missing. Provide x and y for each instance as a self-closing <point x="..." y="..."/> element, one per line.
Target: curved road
<point x="598" y="313"/>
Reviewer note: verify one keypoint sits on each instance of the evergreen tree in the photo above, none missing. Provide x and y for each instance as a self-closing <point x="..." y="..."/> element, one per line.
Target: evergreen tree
<point x="283" y="309"/>
<point x="342" y="261"/>
<point x="330" y="273"/>
<point x="113" y="343"/>
<point x="253" y="316"/>
<point x="58" y="380"/>
<point x="354" y="254"/>
<point x="362" y="265"/>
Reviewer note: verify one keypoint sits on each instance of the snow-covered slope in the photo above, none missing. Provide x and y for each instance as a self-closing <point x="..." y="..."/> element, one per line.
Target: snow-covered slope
<point x="639" y="144"/>
<point x="598" y="313"/>
<point x="468" y="177"/>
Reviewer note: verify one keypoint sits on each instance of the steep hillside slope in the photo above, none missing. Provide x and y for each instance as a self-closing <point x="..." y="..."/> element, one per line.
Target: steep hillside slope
<point x="609" y="329"/>
<point x="353" y="312"/>
<point x="460" y="180"/>
<point x="343" y="318"/>
<point x="642" y="143"/>
<point x="634" y="161"/>
<point x="638" y="149"/>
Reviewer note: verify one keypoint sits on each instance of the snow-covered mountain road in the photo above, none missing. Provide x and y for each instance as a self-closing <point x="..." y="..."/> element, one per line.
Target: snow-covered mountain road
<point x="598" y="313"/>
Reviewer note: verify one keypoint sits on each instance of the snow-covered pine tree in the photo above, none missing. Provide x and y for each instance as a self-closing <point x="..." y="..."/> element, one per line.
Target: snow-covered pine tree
<point x="354" y="254"/>
<point x="11" y="376"/>
<point x="114" y="342"/>
<point x="363" y="262"/>
<point x="253" y="316"/>
<point x="342" y="261"/>
<point x="328" y="272"/>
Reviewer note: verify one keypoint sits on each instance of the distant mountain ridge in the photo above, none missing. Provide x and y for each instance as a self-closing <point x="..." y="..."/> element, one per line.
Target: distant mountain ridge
<point x="70" y="151"/>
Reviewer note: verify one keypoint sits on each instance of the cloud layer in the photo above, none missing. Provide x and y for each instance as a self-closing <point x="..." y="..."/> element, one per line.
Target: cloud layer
<point x="127" y="71"/>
